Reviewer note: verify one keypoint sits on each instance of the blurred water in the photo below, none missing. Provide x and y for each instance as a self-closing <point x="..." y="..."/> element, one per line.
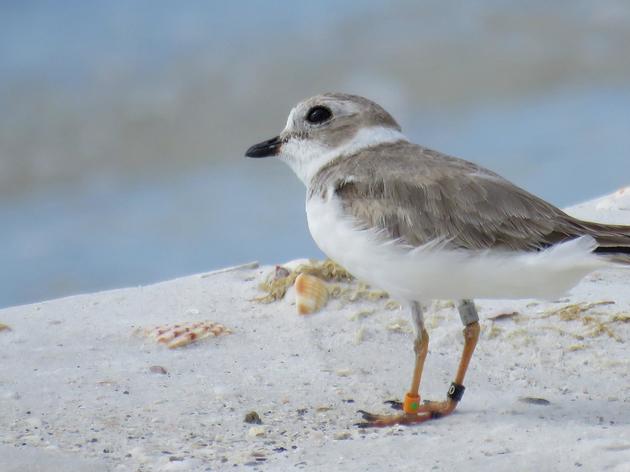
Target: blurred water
<point x="120" y="234"/>
<point x="565" y="146"/>
<point x="123" y="124"/>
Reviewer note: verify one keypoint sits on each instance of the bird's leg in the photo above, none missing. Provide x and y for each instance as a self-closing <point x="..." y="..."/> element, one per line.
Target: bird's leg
<point x="421" y="348"/>
<point x="432" y="410"/>
<point x="411" y="404"/>
<point x="470" y="320"/>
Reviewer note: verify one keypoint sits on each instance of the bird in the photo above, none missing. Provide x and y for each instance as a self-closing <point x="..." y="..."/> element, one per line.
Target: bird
<point x="426" y="226"/>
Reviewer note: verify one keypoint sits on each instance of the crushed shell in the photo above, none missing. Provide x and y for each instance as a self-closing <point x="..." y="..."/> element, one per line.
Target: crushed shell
<point x="311" y="294"/>
<point x="276" y="284"/>
<point x="182" y="334"/>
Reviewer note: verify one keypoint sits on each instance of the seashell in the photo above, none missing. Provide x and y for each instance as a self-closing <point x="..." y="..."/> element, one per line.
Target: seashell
<point x="4" y="327"/>
<point x="281" y="273"/>
<point x="256" y="431"/>
<point x="311" y="294"/>
<point x="182" y="334"/>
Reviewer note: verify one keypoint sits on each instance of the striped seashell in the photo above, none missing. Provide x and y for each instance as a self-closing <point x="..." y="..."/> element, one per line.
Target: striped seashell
<point x="182" y="334"/>
<point x="311" y="294"/>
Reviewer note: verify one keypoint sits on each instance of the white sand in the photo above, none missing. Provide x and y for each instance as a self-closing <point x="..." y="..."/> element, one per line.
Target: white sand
<point x="76" y="392"/>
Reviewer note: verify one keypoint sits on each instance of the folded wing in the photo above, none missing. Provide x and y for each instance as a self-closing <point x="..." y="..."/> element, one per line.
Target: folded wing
<point x="415" y="195"/>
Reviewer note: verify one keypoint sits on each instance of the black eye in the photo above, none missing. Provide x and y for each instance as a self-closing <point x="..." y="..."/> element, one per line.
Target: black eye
<point x="318" y="115"/>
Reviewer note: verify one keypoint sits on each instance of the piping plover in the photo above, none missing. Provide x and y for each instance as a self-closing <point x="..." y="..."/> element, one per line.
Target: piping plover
<point x="423" y="225"/>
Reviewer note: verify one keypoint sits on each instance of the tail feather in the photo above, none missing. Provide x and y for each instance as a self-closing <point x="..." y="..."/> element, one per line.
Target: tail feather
<point x="613" y="241"/>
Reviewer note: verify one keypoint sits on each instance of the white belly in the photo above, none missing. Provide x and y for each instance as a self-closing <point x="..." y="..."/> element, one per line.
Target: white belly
<point x="432" y="272"/>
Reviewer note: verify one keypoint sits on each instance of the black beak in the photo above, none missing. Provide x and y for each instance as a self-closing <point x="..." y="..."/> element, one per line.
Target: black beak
<point x="271" y="147"/>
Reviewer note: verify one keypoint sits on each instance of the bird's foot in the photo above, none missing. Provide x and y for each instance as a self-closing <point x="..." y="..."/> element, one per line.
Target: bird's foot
<point x="372" y="420"/>
<point x="425" y="406"/>
<point x="429" y="410"/>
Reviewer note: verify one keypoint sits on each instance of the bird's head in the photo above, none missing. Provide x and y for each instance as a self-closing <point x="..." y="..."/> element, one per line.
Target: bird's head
<point x="325" y="127"/>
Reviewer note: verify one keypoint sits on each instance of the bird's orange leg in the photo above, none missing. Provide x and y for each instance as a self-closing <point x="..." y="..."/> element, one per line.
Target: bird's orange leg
<point x="456" y="390"/>
<point x="421" y="348"/>
<point x="413" y="411"/>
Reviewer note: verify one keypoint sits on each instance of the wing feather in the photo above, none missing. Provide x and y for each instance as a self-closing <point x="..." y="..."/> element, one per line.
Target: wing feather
<point x="420" y="196"/>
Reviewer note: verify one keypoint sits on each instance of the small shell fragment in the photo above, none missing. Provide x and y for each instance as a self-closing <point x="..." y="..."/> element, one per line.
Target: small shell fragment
<point x="253" y="418"/>
<point x="503" y="316"/>
<point x="4" y="327"/>
<point x="256" y="431"/>
<point x="399" y="326"/>
<point x="343" y="372"/>
<point x="535" y="401"/>
<point x="281" y="272"/>
<point x="311" y="294"/>
<point x="182" y="334"/>
<point x="157" y="369"/>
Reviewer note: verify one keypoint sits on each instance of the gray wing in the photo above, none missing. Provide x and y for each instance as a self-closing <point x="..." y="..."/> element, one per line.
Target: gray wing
<point x="416" y="195"/>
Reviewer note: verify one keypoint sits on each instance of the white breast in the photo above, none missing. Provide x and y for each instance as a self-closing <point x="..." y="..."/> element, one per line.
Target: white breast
<point x="433" y="272"/>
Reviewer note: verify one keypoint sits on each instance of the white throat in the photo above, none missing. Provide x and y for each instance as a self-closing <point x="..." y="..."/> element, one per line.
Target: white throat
<point x="307" y="157"/>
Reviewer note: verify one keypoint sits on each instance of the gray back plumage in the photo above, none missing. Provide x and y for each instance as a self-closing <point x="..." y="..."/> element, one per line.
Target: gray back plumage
<point x="415" y="195"/>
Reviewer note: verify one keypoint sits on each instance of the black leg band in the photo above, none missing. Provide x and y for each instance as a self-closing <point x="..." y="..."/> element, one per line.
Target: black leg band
<point x="455" y="392"/>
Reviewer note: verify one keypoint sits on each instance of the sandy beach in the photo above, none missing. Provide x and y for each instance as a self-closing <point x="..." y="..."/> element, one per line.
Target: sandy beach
<point x="83" y="388"/>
